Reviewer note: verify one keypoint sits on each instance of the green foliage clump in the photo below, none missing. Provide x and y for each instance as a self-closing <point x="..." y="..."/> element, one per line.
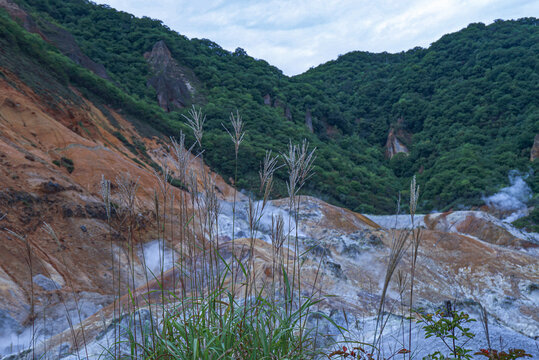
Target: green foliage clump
<point x="216" y="328"/>
<point x="450" y="328"/>
<point x="529" y="223"/>
<point x="177" y="183"/>
<point x="66" y="163"/>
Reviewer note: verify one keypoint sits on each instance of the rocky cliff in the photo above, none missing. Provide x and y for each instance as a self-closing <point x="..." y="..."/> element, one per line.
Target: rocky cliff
<point x="535" y="148"/>
<point x="395" y="146"/>
<point x="174" y="84"/>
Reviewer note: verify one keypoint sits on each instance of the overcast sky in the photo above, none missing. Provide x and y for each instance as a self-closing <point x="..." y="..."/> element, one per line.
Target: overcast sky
<point x="295" y="35"/>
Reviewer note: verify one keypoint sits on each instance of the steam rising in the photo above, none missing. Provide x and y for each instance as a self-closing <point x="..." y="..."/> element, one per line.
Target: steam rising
<point x="513" y="198"/>
<point x="13" y="340"/>
<point x="156" y="258"/>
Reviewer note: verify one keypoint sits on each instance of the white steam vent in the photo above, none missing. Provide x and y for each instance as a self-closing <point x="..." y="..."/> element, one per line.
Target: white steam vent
<point x="512" y="199"/>
<point x="157" y="258"/>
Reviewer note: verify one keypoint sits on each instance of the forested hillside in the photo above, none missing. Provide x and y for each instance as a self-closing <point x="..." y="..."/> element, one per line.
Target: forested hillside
<point x="470" y="102"/>
<point x="466" y="108"/>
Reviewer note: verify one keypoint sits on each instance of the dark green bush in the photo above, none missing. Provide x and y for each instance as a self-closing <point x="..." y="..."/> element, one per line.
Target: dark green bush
<point x="66" y="163"/>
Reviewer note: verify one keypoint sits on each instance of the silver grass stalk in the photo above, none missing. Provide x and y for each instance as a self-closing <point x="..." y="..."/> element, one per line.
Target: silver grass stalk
<point x="237" y="138"/>
<point x="182" y="158"/>
<point x="414" y="196"/>
<point x="105" y="194"/>
<point x="47" y="228"/>
<point x="277" y="241"/>
<point x="290" y="161"/>
<point x="416" y="240"/>
<point x="237" y="134"/>
<point x="127" y="191"/>
<point x="398" y="248"/>
<point x="192" y="183"/>
<point x="32" y="299"/>
<point x="196" y="121"/>
<point x="306" y="160"/>
<point x="211" y="209"/>
<point x="268" y="168"/>
<point x="299" y="162"/>
<point x="163" y="178"/>
<point x="210" y="205"/>
<point x="255" y="211"/>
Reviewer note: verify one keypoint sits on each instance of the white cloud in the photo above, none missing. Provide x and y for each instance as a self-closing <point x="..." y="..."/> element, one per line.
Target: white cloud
<point x="297" y="34"/>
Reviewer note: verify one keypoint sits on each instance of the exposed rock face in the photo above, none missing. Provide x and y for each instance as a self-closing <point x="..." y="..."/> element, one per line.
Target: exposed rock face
<point x="17" y="13"/>
<point x="534" y="154"/>
<point x="394" y="146"/>
<point x="309" y="120"/>
<point x="288" y="113"/>
<point x="66" y="43"/>
<point x="174" y="84"/>
<point x="62" y="39"/>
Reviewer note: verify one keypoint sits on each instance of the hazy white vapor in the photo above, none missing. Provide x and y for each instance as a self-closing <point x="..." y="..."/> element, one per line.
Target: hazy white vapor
<point x="513" y="198"/>
<point x="297" y="34"/>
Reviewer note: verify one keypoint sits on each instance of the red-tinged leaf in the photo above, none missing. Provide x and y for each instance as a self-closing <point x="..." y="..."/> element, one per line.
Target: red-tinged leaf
<point x="403" y="351"/>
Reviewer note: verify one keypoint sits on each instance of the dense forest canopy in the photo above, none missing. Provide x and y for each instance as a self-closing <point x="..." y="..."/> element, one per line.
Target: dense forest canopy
<point x="467" y="108"/>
